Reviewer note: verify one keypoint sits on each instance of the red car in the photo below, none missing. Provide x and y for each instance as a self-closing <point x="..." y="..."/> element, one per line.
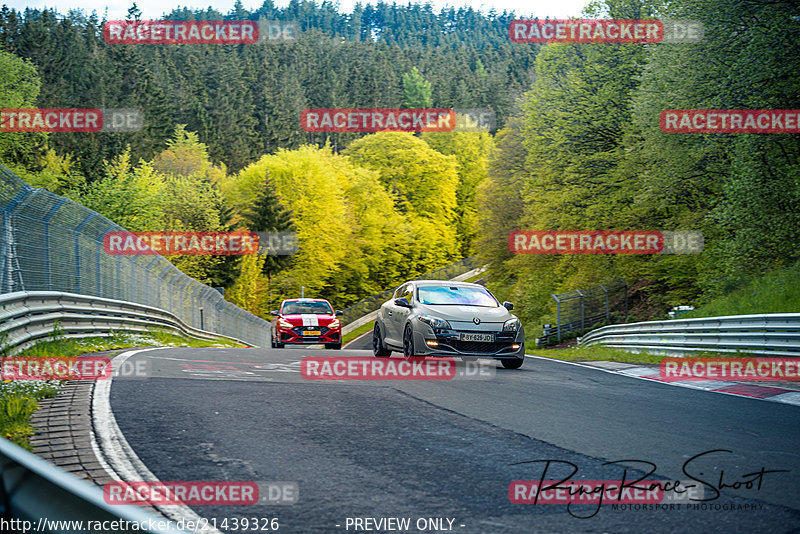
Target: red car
<point x="306" y="322"/>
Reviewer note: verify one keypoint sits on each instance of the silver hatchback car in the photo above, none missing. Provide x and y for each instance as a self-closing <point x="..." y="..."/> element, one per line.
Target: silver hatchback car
<point x="444" y="318"/>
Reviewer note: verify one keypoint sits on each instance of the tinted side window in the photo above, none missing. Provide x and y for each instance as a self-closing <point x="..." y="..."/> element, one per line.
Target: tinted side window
<point x="408" y="293"/>
<point x="399" y="292"/>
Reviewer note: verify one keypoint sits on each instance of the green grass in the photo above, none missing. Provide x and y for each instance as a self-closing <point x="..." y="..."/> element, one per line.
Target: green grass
<point x="599" y="353"/>
<point x="363" y="329"/>
<point x="476" y="277"/>
<point x="19" y="399"/>
<point x="57" y="346"/>
<point x="775" y="292"/>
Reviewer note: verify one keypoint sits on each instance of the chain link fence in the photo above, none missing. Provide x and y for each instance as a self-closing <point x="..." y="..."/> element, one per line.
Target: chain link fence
<point x="50" y="243"/>
<point x="580" y="309"/>
<point x="370" y="304"/>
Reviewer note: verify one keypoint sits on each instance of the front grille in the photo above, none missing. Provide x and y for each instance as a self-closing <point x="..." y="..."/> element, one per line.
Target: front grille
<point x="300" y="329"/>
<point x="478" y="346"/>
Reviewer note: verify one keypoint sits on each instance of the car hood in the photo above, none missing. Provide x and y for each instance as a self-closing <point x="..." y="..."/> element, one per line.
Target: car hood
<point x="309" y="319"/>
<point x="462" y="316"/>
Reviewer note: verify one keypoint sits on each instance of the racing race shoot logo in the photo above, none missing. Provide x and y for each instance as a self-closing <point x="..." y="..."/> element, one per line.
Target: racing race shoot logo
<point x="605" y="242"/>
<point x="70" y="120"/>
<point x="197" y="31"/>
<point x="200" y="243"/>
<point x="730" y="121"/>
<point x="605" y="31"/>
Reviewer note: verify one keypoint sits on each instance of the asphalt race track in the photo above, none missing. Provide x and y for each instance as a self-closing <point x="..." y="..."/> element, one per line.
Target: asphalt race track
<point x="442" y="454"/>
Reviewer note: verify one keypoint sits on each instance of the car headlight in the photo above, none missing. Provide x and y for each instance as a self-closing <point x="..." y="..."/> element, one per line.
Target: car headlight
<point x="434" y="322"/>
<point x="334" y="324"/>
<point x="283" y="323"/>
<point x="512" y="325"/>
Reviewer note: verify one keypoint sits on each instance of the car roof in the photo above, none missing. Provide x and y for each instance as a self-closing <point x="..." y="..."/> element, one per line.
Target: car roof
<point x="448" y="283"/>
<point x="304" y="300"/>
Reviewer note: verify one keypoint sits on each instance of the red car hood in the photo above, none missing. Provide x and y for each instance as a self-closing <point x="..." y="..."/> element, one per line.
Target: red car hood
<point x="309" y="319"/>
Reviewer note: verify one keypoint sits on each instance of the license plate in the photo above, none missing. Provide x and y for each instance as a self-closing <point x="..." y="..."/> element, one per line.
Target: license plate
<point x="312" y="333"/>
<point x="477" y="337"/>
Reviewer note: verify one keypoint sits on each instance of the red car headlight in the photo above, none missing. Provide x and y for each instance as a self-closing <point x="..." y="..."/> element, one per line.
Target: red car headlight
<point x="283" y="323"/>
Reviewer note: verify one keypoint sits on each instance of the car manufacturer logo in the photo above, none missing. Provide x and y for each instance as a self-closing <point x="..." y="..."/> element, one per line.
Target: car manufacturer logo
<point x="476" y="320"/>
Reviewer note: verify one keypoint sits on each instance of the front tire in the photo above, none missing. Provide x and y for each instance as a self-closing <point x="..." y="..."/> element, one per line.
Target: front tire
<point x="378" y="348"/>
<point x="408" y="342"/>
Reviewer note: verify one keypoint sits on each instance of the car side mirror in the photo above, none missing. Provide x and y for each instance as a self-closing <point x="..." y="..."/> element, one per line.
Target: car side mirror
<point x="402" y="302"/>
<point x="274" y="312"/>
<point x="507" y="305"/>
<point x="339" y="312"/>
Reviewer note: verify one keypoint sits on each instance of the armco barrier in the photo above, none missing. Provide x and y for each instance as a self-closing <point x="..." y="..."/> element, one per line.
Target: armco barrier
<point x="29" y="316"/>
<point x="34" y="491"/>
<point x="774" y="334"/>
<point x="50" y="243"/>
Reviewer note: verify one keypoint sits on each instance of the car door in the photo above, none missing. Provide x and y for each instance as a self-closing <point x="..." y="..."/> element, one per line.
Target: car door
<point x="391" y="313"/>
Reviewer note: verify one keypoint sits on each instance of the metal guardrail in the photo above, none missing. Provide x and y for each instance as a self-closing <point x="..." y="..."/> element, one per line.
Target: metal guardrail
<point x="50" y="243"/>
<point x="551" y="333"/>
<point x="583" y="306"/>
<point x="774" y="334"/>
<point x="49" y="499"/>
<point x="27" y="317"/>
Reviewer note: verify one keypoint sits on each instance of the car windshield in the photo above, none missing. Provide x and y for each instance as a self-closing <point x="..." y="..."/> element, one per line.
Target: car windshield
<point x="456" y="295"/>
<point x="306" y="307"/>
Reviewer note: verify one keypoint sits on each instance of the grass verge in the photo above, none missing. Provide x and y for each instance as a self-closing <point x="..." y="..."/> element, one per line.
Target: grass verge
<point x="19" y="399"/>
<point x="775" y="292"/>
<point x="363" y="329"/>
<point x="598" y="353"/>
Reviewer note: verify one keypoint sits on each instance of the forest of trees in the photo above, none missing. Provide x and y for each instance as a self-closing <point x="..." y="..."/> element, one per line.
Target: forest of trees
<point x="578" y="145"/>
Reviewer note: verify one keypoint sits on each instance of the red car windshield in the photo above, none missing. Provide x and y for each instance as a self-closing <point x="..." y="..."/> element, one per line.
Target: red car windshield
<point x="306" y="307"/>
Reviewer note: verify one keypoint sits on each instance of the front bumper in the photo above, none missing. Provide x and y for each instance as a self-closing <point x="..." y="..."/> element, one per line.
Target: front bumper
<point x="297" y="335"/>
<point x="507" y="345"/>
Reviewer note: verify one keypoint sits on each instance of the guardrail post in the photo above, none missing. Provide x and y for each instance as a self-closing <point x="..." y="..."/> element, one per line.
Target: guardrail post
<point x="626" y="301"/>
<point x="201" y="319"/>
<point x="608" y="312"/>
<point x="558" y="317"/>
<point x="583" y="325"/>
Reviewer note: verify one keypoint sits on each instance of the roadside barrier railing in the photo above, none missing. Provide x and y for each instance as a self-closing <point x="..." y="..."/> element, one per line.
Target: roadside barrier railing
<point x="36" y="497"/>
<point x="772" y="334"/>
<point x="50" y="243"/>
<point x="28" y="317"/>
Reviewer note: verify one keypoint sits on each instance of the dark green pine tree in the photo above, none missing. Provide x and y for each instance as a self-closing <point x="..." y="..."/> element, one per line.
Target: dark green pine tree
<point x="268" y="214"/>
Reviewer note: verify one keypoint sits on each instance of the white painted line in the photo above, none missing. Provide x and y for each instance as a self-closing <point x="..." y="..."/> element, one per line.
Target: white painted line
<point x="640" y="371"/>
<point x="356" y="339"/>
<point x="686" y="384"/>
<point x="117" y="456"/>
<point x="788" y="398"/>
